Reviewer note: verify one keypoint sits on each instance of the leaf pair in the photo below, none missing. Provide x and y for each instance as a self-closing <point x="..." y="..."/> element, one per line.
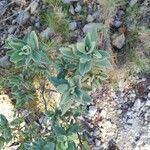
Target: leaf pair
<point x="26" y="52"/>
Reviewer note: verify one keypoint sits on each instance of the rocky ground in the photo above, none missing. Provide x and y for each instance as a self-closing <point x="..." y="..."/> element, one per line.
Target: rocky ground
<point x="118" y="118"/>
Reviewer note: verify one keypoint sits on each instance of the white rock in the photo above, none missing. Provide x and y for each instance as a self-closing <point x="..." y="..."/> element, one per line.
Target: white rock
<point x="133" y="2"/>
<point x="47" y="33"/>
<point x="97" y="142"/>
<point x="12" y="29"/>
<point x="78" y="8"/>
<point x="103" y="113"/>
<point x="90" y="18"/>
<point x="20" y="2"/>
<point x="148" y="95"/>
<point x="108" y="124"/>
<point x="137" y="104"/>
<point x="72" y="25"/>
<point x="6" y="107"/>
<point x="34" y="7"/>
<point x="23" y="17"/>
<point x="147" y="103"/>
<point x="71" y="10"/>
<point x="92" y="111"/>
<point x="118" y="40"/>
<point x="89" y="26"/>
<point x="4" y="62"/>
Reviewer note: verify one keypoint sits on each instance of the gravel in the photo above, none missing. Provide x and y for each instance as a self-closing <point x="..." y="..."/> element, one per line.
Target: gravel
<point x="47" y="33"/>
<point x="73" y="25"/>
<point x="118" y="40"/>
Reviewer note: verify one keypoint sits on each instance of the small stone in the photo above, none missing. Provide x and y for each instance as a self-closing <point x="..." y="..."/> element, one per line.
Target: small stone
<point x="71" y="10"/>
<point x="103" y="114"/>
<point x="4" y="62"/>
<point x="34" y="7"/>
<point x="2" y="7"/>
<point x="147" y="103"/>
<point x="23" y="17"/>
<point x="20" y="2"/>
<point x="118" y="40"/>
<point x="12" y="29"/>
<point x="47" y="33"/>
<point x="130" y="121"/>
<point x="89" y="26"/>
<point x="108" y="124"/>
<point x="96" y="132"/>
<point x="72" y="25"/>
<point x="137" y="104"/>
<point x="148" y="95"/>
<point x="133" y="2"/>
<point x="90" y="18"/>
<point x="92" y="111"/>
<point x="78" y="8"/>
<point x="117" y="23"/>
<point x="97" y="142"/>
<point x="37" y="25"/>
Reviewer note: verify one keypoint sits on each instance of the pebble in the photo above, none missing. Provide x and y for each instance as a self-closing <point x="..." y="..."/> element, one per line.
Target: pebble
<point x="148" y="95"/>
<point x="92" y="111"/>
<point x="97" y="142"/>
<point x="2" y="7"/>
<point x="47" y="33"/>
<point x="137" y="104"/>
<point x="117" y="23"/>
<point x="4" y="62"/>
<point x="34" y="7"/>
<point x="118" y="40"/>
<point x="133" y="2"/>
<point x="71" y="10"/>
<point x="89" y="26"/>
<point x="90" y="18"/>
<point x="103" y="114"/>
<point x="12" y="29"/>
<point x="23" y="17"/>
<point x="73" y="25"/>
<point x="20" y="2"/>
<point x="78" y="8"/>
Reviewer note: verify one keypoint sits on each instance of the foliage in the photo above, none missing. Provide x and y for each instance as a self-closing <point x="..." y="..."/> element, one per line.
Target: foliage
<point x="28" y="52"/>
<point x="79" y="68"/>
<point x="5" y="132"/>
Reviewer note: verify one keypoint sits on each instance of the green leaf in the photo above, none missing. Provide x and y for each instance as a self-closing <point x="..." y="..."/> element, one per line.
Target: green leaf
<point x="93" y="34"/>
<point x="15" y="44"/>
<point x="86" y="97"/>
<point x="58" y="130"/>
<point x="32" y="40"/>
<point x="66" y="102"/>
<point x="62" y="88"/>
<point x="85" y="67"/>
<point x="49" y="146"/>
<point x="71" y="146"/>
<point x="2" y="142"/>
<point x="103" y="63"/>
<point x="84" y="58"/>
<point x="104" y="54"/>
<point x="81" y="47"/>
<point x="73" y="128"/>
<point x="3" y="121"/>
<point x="56" y="81"/>
<point x="66" y="51"/>
<point x="15" y="57"/>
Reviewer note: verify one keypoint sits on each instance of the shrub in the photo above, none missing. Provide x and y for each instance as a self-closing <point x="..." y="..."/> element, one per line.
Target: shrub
<point x="79" y="68"/>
